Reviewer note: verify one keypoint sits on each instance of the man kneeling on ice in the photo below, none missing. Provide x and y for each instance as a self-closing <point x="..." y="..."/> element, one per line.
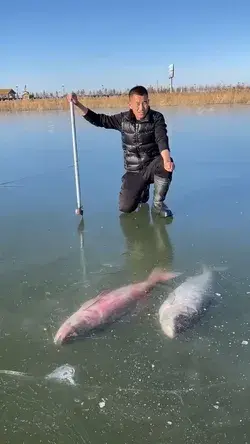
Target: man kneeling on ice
<point x="146" y="150"/>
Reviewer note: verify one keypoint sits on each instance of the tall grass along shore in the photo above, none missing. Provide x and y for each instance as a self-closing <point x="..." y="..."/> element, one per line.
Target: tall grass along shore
<point x="226" y="96"/>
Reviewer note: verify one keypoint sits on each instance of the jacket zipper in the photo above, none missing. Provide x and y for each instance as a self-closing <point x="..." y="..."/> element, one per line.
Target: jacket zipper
<point x="137" y="140"/>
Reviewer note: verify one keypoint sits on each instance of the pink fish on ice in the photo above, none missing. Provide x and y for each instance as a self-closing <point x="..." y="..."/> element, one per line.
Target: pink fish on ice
<point x="99" y="310"/>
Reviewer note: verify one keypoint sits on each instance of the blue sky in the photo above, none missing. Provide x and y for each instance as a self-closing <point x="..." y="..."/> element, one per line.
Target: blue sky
<point x="119" y="44"/>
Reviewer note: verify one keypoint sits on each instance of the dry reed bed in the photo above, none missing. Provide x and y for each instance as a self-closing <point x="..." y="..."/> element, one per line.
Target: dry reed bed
<point x="220" y="97"/>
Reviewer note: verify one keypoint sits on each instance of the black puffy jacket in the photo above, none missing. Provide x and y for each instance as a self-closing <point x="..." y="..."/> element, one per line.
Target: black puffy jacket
<point x="142" y="140"/>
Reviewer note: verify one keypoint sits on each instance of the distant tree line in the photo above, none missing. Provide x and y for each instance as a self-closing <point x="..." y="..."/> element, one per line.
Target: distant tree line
<point x="104" y="92"/>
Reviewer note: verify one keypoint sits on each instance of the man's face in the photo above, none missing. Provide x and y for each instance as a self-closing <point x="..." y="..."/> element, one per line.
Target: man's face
<point x="139" y="105"/>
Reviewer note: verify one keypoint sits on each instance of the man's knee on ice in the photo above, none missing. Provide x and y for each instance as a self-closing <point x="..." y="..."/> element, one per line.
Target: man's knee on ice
<point x="127" y="207"/>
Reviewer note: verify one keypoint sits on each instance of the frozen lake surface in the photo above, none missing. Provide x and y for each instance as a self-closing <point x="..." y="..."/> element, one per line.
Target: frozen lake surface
<point x="132" y="384"/>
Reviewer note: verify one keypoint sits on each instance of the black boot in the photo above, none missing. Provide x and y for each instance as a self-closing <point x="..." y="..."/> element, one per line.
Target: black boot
<point x="161" y="187"/>
<point x="145" y="194"/>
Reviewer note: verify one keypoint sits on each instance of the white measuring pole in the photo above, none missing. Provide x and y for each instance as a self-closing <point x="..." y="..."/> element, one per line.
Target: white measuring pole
<point x="78" y="210"/>
<point x="83" y="258"/>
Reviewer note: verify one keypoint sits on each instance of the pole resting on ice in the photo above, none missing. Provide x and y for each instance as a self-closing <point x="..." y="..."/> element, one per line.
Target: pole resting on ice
<point x="79" y="210"/>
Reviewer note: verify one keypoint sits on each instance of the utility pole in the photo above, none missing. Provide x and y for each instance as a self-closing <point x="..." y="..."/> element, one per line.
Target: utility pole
<point x="171" y="76"/>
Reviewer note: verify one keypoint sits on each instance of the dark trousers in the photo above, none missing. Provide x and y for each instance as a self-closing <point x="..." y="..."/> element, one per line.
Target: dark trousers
<point x="133" y="184"/>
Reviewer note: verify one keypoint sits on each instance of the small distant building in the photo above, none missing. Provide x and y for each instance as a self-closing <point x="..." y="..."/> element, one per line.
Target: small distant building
<point x="7" y="94"/>
<point x="25" y="95"/>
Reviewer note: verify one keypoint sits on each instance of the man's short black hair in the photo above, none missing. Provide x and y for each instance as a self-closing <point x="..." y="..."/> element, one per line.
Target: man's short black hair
<point x="139" y="90"/>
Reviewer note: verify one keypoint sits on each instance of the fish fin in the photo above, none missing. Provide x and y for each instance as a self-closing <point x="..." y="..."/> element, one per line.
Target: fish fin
<point x="219" y="268"/>
<point x="94" y="300"/>
<point x="103" y="293"/>
<point x="205" y="268"/>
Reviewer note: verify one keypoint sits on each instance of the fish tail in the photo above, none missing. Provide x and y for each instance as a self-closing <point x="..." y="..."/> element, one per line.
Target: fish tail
<point x="160" y="275"/>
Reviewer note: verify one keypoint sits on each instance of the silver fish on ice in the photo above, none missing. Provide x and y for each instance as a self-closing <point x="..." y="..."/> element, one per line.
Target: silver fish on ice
<point x="187" y="303"/>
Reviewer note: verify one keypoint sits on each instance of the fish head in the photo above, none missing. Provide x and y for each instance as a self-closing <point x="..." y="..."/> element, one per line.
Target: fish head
<point x="65" y="332"/>
<point x="173" y="325"/>
<point x="168" y="329"/>
<point x="168" y="325"/>
<point x="182" y="322"/>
